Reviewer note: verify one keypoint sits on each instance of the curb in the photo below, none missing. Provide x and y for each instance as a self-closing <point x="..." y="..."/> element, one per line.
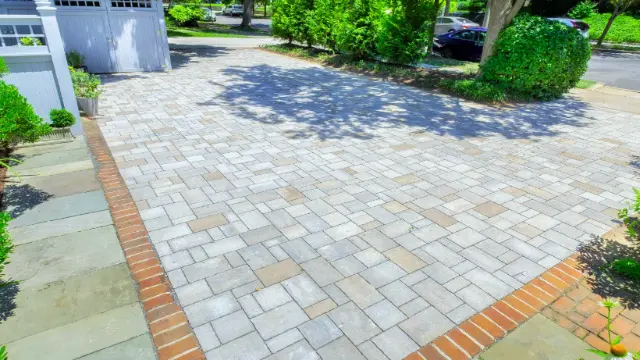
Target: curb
<point x="172" y="335"/>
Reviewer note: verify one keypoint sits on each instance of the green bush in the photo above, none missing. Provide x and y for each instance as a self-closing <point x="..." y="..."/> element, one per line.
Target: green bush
<point x="357" y="28"/>
<point x="584" y="9"/>
<point x="187" y="15"/>
<point x="285" y="19"/>
<point x="627" y="267"/>
<point x="6" y="246"/>
<point x="61" y="118"/>
<point x="85" y="85"/>
<point x="537" y="58"/>
<point x="474" y="89"/>
<point x="4" y="69"/>
<point x="75" y="59"/>
<point x="28" y="41"/>
<point x="321" y="22"/>
<point x="18" y="120"/>
<point x="406" y="31"/>
<point x="625" y="28"/>
<point x="472" y="6"/>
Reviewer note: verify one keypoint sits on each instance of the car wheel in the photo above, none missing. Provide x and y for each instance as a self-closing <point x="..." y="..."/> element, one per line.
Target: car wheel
<point x="446" y="53"/>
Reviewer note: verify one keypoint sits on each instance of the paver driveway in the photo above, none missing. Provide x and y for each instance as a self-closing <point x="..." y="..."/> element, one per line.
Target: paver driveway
<point x="306" y="211"/>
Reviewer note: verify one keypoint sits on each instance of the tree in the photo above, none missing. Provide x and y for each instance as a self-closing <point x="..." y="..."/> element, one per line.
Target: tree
<point x="619" y="6"/>
<point x="247" y="14"/>
<point x="447" y="7"/>
<point x="500" y="14"/>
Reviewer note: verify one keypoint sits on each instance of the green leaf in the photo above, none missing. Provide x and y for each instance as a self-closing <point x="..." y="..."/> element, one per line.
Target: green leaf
<point x="598" y="352"/>
<point x="617" y="340"/>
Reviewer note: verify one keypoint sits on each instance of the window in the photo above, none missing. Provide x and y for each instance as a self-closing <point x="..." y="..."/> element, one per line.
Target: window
<point x="447" y="21"/>
<point x="466" y="35"/>
<point x="21" y="35"/>
<point x="80" y="3"/>
<point x="463" y="21"/>
<point x="131" y="4"/>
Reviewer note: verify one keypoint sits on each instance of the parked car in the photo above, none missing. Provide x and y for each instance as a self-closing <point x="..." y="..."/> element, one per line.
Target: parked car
<point x="209" y="15"/>
<point x="445" y="24"/>
<point x="462" y="45"/>
<point x="233" y="10"/>
<point x="579" y="25"/>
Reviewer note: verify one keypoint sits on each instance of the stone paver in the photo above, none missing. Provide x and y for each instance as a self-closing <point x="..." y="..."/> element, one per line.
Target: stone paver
<point x="335" y="194"/>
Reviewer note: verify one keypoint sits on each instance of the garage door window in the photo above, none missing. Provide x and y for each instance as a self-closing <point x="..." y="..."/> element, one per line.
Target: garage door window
<point x="131" y="4"/>
<point x="78" y="3"/>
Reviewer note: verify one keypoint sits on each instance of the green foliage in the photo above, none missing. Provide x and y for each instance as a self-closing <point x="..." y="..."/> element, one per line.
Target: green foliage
<point x="187" y="15"/>
<point x="627" y="267"/>
<point x="3" y="353"/>
<point x="406" y="31"/>
<point x="632" y="222"/>
<point x="357" y="28"/>
<point x="474" y="89"/>
<point x="321" y="22"/>
<point x="537" y="58"/>
<point x="6" y="246"/>
<point x="625" y="28"/>
<point x="28" y="41"/>
<point x="75" y="59"/>
<point x="85" y="85"/>
<point x="472" y="6"/>
<point x="61" y="118"/>
<point x="286" y="19"/>
<point x="584" y="9"/>
<point x="4" y="69"/>
<point x="18" y="120"/>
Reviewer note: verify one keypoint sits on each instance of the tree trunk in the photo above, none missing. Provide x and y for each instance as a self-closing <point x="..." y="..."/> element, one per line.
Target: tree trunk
<point x="485" y="20"/>
<point x="432" y="28"/>
<point x="265" y="7"/>
<point x="447" y="7"/>
<point x="247" y="14"/>
<point x="609" y="23"/>
<point x="500" y="15"/>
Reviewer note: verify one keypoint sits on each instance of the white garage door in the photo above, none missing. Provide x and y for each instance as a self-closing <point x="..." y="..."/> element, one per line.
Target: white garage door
<point x="115" y="35"/>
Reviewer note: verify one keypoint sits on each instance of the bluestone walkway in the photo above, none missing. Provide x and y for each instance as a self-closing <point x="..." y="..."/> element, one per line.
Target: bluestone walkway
<point x="76" y="298"/>
<point x="307" y="213"/>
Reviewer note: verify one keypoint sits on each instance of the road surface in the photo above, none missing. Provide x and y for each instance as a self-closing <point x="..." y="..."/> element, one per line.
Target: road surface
<point x="615" y="69"/>
<point x="236" y="20"/>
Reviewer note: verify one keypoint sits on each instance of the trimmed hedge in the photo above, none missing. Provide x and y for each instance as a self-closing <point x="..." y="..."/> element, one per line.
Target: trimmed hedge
<point x="18" y="120"/>
<point x="537" y="58"/>
<point x="186" y="15"/>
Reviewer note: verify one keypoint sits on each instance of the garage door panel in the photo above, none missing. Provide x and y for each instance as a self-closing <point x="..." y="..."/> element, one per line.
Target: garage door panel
<point x="135" y="36"/>
<point x="89" y="34"/>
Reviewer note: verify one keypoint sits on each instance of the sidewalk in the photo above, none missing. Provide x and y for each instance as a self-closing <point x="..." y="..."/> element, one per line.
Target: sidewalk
<point x="76" y="298"/>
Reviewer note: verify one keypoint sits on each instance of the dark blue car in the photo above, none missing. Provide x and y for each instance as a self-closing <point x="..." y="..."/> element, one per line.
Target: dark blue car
<point x="462" y="44"/>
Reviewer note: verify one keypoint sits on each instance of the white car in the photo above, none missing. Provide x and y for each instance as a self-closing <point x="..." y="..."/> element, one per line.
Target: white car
<point x="579" y="25"/>
<point x="209" y="15"/>
<point x="445" y="24"/>
<point x="233" y="10"/>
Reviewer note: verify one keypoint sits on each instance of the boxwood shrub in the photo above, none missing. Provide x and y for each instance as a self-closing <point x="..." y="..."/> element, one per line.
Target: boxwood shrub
<point x="18" y="120"/>
<point x="537" y="58"/>
<point x="61" y="118"/>
<point x="186" y="15"/>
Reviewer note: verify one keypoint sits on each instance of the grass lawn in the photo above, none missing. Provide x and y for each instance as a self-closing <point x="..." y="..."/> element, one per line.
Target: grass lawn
<point x="585" y="84"/>
<point x="625" y="28"/>
<point x="173" y="31"/>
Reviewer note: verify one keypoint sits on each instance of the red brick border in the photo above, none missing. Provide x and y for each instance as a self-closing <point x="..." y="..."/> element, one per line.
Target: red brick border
<point x="173" y="337"/>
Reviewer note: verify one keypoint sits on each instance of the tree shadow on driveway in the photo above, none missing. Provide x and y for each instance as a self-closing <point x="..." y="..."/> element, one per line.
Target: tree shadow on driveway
<point x="331" y="104"/>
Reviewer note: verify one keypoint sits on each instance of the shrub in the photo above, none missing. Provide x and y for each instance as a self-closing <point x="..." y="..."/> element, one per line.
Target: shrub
<point x="85" y="85"/>
<point x="321" y="22"/>
<point x="627" y="216"/>
<point x="4" y="69"/>
<point x="584" y="9"/>
<point x="474" y="89"/>
<point x="61" y="118"/>
<point x="187" y="15"/>
<point x="75" y="59"/>
<point x="537" y="58"/>
<point x="18" y="120"/>
<point x="357" y="28"/>
<point x="6" y="246"/>
<point x="290" y="20"/>
<point x="27" y="41"/>
<point x="627" y="267"/>
<point x="405" y="31"/>
<point x="625" y="28"/>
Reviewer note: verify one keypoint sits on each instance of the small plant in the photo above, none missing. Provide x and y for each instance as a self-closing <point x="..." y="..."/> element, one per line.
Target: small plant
<point x="18" y="120"/>
<point x="75" y="59"/>
<point x="3" y="353"/>
<point x="4" y="69"/>
<point x="616" y="350"/>
<point x="6" y="247"/>
<point x="27" y="41"/>
<point x="583" y="10"/>
<point x="61" y="118"/>
<point x="85" y="85"/>
<point x="626" y="267"/>
<point x="474" y="89"/>
<point x="632" y="222"/>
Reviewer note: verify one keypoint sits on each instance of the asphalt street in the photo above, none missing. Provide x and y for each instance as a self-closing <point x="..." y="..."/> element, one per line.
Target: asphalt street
<point x="236" y="20"/>
<point x="615" y="69"/>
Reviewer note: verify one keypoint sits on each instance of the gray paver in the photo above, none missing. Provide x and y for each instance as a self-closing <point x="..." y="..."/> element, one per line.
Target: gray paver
<point x="359" y="291"/>
<point x="426" y="325"/>
<point x="230" y="279"/>
<point x="285" y="339"/>
<point x="383" y="274"/>
<point x="279" y="320"/>
<point x="211" y="309"/>
<point x="298" y="351"/>
<point x="249" y="347"/>
<point x="354" y="323"/>
<point x="340" y="349"/>
<point x="321" y="271"/>
<point x="384" y="314"/>
<point x="395" y="344"/>
<point x="320" y="331"/>
<point x="304" y="290"/>
<point x="272" y="297"/>
<point x="232" y="326"/>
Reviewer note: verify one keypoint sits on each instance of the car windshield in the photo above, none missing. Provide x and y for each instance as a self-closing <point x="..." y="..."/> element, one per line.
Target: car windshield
<point x="464" y="21"/>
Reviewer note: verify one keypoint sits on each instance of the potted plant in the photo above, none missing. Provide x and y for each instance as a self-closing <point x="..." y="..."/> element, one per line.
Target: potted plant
<point x="85" y="86"/>
<point x="61" y="122"/>
<point x="76" y="60"/>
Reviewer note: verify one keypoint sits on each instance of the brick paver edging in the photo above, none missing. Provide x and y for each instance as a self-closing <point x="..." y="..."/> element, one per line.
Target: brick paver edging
<point x="173" y="337"/>
<point x="493" y="323"/>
